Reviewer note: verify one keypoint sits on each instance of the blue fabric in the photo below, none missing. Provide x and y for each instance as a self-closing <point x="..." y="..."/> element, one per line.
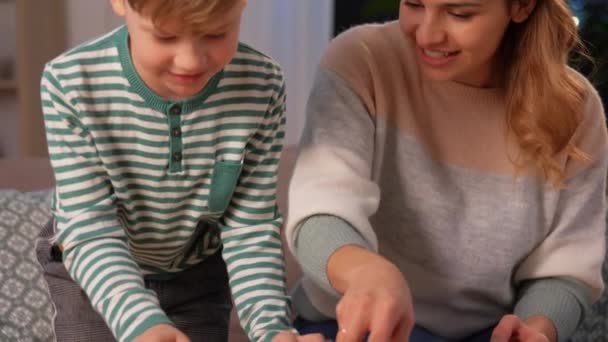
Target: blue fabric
<point x="329" y="329"/>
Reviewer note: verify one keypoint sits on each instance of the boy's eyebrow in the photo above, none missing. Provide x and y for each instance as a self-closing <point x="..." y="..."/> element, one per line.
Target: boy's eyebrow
<point x="155" y="29"/>
<point x="219" y="28"/>
<point x="151" y="28"/>
<point x="223" y="26"/>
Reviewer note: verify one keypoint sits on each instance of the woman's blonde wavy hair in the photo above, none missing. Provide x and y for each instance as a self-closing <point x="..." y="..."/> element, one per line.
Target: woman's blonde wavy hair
<point x="545" y="98"/>
<point x="193" y="14"/>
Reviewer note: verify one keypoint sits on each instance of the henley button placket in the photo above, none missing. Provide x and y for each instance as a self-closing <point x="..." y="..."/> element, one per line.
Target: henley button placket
<point x="175" y="136"/>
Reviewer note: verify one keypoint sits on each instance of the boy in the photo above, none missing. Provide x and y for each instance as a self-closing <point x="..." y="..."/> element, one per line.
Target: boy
<point x="165" y="137"/>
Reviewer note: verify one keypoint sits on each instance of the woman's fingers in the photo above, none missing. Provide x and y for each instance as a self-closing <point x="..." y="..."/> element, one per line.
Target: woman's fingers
<point x="505" y="329"/>
<point x="403" y="330"/>
<point x="354" y="318"/>
<point x="526" y="334"/>
<point x="376" y="300"/>
<point x="388" y="318"/>
<point x="381" y="314"/>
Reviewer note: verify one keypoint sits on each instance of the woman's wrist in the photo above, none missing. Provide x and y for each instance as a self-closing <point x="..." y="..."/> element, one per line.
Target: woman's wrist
<point x="349" y="262"/>
<point x="543" y="325"/>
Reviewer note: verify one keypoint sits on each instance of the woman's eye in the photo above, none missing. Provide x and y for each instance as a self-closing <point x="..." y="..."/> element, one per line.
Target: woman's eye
<point x="412" y="4"/>
<point x="463" y="16"/>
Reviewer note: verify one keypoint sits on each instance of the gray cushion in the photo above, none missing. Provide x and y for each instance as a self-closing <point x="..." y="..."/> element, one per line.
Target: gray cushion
<point x="25" y="309"/>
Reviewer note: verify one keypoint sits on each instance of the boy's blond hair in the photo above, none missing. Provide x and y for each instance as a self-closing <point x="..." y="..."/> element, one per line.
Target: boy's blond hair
<point x="195" y="15"/>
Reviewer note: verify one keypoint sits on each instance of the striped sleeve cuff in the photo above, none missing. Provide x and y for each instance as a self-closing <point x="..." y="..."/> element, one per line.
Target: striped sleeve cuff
<point x="254" y="261"/>
<point x="266" y="318"/>
<point x="131" y="313"/>
<point x="154" y="318"/>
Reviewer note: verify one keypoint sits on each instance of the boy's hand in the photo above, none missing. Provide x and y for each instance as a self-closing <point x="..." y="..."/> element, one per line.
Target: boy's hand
<point x="162" y="333"/>
<point x="535" y="329"/>
<point x="287" y="336"/>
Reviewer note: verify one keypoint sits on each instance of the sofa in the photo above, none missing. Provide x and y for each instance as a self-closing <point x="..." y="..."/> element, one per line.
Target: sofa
<point x="25" y="310"/>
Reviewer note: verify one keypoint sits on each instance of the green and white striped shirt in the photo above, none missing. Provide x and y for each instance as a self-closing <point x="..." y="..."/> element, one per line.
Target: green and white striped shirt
<point x="136" y="173"/>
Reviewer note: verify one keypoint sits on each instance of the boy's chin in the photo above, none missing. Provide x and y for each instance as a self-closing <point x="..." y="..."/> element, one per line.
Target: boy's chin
<point x="181" y="93"/>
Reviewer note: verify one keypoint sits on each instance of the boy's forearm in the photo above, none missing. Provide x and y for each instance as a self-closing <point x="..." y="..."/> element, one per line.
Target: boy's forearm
<point x="96" y="255"/>
<point x="112" y="281"/>
<point x="257" y="278"/>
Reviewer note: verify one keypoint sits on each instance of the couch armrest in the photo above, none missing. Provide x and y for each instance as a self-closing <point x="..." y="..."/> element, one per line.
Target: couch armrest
<point x="26" y="174"/>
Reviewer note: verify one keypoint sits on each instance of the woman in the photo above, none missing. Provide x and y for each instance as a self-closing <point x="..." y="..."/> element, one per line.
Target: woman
<point x="450" y="184"/>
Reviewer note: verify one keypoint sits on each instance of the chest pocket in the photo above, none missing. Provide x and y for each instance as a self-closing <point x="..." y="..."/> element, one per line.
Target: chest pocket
<point x="223" y="182"/>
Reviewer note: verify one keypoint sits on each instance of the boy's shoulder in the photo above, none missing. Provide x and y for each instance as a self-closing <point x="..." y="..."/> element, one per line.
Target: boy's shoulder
<point x="95" y="49"/>
<point x="250" y="60"/>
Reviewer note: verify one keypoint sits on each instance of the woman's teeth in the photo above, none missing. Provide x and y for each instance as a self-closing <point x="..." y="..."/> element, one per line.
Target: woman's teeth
<point x="436" y="54"/>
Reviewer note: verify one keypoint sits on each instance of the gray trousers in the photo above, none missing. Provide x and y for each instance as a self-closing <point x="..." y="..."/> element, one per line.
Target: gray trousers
<point x="197" y="300"/>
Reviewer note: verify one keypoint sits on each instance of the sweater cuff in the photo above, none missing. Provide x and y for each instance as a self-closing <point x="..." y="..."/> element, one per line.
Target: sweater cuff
<point x="563" y="300"/>
<point x="317" y="239"/>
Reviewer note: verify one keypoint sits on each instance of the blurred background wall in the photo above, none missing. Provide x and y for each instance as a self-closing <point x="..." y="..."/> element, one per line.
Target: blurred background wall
<point x="294" y="32"/>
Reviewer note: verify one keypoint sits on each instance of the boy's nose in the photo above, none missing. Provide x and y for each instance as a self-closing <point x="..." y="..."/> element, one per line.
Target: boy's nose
<point x="190" y="59"/>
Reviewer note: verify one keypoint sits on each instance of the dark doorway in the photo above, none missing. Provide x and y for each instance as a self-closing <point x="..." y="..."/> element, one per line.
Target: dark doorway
<point x="349" y="13"/>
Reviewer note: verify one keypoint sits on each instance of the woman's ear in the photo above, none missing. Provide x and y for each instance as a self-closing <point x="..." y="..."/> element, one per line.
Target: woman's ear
<point x="119" y="7"/>
<point x="521" y="10"/>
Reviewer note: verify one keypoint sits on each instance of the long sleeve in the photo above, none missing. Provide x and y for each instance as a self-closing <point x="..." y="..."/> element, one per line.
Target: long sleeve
<point x="332" y="175"/>
<point x="569" y="260"/>
<point x="562" y="300"/>
<point x="331" y="194"/>
<point x="95" y="250"/>
<point x="251" y="234"/>
<point x="334" y="169"/>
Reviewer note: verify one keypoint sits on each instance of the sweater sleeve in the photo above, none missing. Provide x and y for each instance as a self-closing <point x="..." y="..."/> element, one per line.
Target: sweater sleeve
<point x="332" y="180"/>
<point x="251" y="234"/>
<point x="95" y="250"/>
<point x="578" y="225"/>
<point x="563" y="300"/>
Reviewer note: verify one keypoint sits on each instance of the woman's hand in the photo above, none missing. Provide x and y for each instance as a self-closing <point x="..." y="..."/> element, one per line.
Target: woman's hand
<point x="376" y="298"/>
<point x="287" y="336"/>
<point x="535" y="329"/>
<point x="162" y="333"/>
